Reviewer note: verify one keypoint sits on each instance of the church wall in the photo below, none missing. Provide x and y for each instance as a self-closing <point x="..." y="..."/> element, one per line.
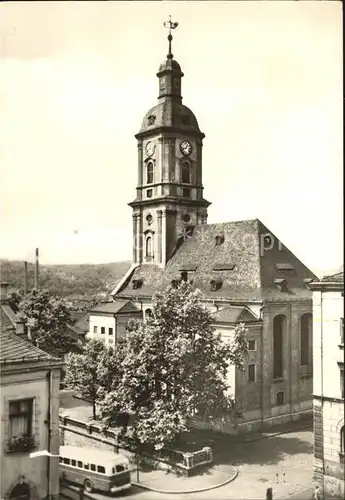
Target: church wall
<point x="296" y="382"/>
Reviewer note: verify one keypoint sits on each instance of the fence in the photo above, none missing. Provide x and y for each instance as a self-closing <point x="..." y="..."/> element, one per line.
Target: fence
<point x="175" y="461"/>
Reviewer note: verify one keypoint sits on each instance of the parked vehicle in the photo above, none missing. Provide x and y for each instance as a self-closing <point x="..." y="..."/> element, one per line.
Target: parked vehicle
<point x="95" y="469"/>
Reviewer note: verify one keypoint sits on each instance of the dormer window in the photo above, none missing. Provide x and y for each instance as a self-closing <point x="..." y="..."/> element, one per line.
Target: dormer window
<point x="219" y="239"/>
<point x="152" y="118"/>
<point x="223" y="267"/>
<point x="149" y="173"/>
<point x="137" y="283"/>
<point x="184" y="276"/>
<point x="215" y="285"/>
<point x="281" y="284"/>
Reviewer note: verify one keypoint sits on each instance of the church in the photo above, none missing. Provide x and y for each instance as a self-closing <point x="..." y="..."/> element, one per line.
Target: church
<point x="245" y="272"/>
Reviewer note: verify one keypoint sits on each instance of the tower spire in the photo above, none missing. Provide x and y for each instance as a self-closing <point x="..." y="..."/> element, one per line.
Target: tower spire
<point x="171" y="25"/>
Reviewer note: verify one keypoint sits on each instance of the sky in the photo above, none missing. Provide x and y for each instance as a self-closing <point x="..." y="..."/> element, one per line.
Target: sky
<point x="264" y="80"/>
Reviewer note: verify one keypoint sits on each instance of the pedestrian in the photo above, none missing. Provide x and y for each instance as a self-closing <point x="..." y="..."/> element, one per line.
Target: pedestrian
<point x="316" y="495"/>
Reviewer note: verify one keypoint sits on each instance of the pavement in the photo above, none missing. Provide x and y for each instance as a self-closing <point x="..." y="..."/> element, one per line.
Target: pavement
<point x="163" y="482"/>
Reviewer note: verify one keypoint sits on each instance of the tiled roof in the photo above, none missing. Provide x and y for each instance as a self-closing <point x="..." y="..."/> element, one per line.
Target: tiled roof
<point x="334" y="278"/>
<point x="82" y="324"/>
<point x="16" y="349"/>
<point x="235" y="314"/>
<point x="115" y="307"/>
<point x="247" y="256"/>
<point x="6" y="322"/>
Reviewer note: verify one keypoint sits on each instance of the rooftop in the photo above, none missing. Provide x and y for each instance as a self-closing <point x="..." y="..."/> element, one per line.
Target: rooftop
<point x="243" y="259"/>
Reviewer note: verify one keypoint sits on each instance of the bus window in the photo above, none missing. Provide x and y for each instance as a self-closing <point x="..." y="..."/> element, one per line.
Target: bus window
<point x="74" y="463"/>
<point x="80" y="464"/>
<point x="61" y="460"/>
<point x="93" y="467"/>
<point x="101" y="469"/>
<point x="66" y="461"/>
<point x="120" y="468"/>
<point x="86" y="466"/>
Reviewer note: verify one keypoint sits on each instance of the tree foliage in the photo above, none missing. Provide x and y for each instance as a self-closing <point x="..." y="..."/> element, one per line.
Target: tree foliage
<point x="83" y="372"/>
<point x="170" y="367"/>
<point x="46" y="316"/>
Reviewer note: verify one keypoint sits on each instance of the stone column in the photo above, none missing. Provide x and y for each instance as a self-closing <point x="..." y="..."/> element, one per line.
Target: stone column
<point x="159" y="235"/>
<point x="164" y="237"/>
<point x="135" y="237"/>
<point x="140" y="163"/>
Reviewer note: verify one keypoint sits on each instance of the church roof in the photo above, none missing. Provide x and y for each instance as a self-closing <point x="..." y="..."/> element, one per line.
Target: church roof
<point x="240" y="261"/>
<point x="170" y="113"/>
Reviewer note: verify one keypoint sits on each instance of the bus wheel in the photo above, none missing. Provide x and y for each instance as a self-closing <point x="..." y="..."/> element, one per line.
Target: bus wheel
<point x="88" y="485"/>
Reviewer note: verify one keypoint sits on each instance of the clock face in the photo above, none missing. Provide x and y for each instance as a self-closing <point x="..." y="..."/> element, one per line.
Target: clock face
<point x="150" y="148"/>
<point x="186" y="148"/>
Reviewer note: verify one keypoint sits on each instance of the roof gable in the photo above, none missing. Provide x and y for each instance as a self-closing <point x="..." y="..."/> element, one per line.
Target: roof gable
<point x="235" y="314"/>
<point x="117" y="306"/>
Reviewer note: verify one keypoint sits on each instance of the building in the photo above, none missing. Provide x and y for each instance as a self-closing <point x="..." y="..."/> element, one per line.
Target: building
<point x="328" y="359"/>
<point x="29" y="412"/>
<point x="108" y="321"/>
<point x="243" y="270"/>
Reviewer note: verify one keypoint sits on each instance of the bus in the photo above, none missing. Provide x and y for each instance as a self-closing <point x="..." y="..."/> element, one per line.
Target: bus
<point x="95" y="469"/>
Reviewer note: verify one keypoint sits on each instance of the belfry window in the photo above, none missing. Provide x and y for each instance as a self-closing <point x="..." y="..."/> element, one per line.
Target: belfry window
<point x="149" y="246"/>
<point x="185" y="176"/>
<point x="279" y="323"/>
<point x="306" y="337"/>
<point x="149" y="173"/>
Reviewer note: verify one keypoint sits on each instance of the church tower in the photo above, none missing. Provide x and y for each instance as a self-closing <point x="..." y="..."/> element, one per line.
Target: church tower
<point x="169" y="195"/>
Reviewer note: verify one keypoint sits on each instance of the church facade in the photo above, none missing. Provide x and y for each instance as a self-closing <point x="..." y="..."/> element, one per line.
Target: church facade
<point x="245" y="272"/>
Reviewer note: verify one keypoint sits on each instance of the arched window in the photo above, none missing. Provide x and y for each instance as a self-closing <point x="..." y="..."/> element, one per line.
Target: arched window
<point x="342" y="440"/>
<point x="20" y="492"/>
<point x="306" y="338"/>
<point x="149" y="172"/>
<point x="279" y="323"/>
<point x="148" y="313"/>
<point x="185" y="172"/>
<point x="149" y="246"/>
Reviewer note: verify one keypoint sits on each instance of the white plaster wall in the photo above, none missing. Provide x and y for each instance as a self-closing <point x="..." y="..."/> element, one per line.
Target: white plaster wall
<point x="328" y="309"/>
<point x="227" y="335"/>
<point x="106" y="321"/>
<point x="13" y="465"/>
<point x="333" y="420"/>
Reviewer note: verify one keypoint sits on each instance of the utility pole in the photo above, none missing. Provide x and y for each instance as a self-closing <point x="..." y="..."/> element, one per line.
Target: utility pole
<point x="25" y="278"/>
<point x="37" y="269"/>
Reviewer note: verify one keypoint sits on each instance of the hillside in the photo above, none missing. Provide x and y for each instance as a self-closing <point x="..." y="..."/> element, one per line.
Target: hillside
<point x="66" y="280"/>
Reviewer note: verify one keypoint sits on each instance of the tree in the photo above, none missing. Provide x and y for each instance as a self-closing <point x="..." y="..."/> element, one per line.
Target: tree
<point x="172" y="366"/>
<point x="82" y="371"/>
<point x="46" y="316"/>
<point x="14" y="300"/>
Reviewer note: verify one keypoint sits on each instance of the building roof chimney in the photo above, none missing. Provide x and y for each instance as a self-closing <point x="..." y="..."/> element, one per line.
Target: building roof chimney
<point x="4" y="293"/>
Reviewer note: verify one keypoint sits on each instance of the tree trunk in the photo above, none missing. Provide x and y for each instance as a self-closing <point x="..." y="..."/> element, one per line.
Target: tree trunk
<point x="94" y="410"/>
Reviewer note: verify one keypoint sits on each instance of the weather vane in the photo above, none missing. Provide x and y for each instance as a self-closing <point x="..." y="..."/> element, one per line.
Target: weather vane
<point x="171" y="25"/>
